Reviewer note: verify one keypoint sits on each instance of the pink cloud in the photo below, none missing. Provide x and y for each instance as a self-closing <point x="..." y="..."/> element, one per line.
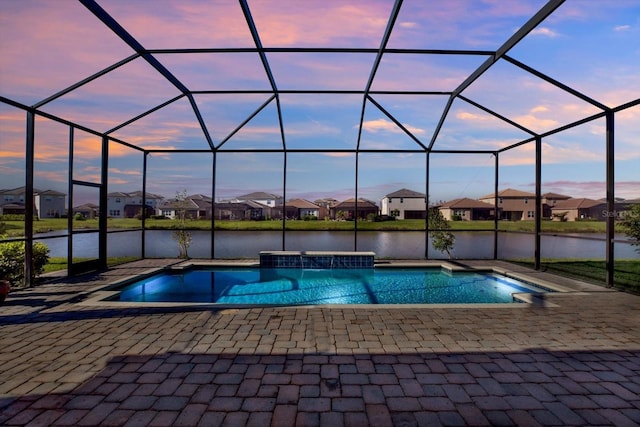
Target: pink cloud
<point x="320" y="23"/>
<point x="384" y="125"/>
<point x="64" y="45"/>
<point x="183" y="24"/>
<point x="544" y="31"/>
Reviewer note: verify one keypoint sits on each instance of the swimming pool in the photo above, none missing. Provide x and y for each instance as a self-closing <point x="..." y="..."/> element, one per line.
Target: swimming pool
<point x="264" y="286"/>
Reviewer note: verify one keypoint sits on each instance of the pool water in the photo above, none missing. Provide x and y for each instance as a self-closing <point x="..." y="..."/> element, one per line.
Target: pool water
<point x="297" y="286"/>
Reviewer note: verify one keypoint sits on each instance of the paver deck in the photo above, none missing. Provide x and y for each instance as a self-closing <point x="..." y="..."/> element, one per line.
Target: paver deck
<point x="574" y="362"/>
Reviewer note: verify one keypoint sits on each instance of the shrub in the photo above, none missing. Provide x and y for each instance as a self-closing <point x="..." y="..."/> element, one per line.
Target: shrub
<point x="12" y="261"/>
<point x="12" y="217"/>
<point x="79" y="217"/>
<point x="631" y="225"/>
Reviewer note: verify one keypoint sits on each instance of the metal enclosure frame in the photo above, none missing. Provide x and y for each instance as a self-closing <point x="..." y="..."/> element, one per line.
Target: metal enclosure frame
<point x="368" y="98"/>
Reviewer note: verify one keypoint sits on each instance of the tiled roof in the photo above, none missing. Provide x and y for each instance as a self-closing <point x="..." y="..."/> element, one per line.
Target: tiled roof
<point x="406" y="193"/>
<point x="302" y="204"/>
<point x="509" y="192"/>
<point x="555" y="196"/>
<point x="582" y="203"/>
<point x="19" y="190"/>
<point x="50" y="193"/>
<point x="466" y="203"/>
<point x="134" y="194"/>
<point x="258" y="195"/>
<point x="246" y="204"/>
<point x="362" y="203"/>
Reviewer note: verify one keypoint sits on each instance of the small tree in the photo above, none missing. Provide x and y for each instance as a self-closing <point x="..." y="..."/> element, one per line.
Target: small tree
<point x="181" y="235"/>
<point x="442" y="239"/>
<point x="631" y="225"/>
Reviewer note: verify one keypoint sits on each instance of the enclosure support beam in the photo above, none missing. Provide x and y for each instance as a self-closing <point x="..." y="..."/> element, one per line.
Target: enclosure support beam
<point x="28" y="198"/>
<point x="538" y="211"/>
<point x="355" y="207"/>
<point x="70" y="203"/>
<point x="426" y="201"/>
<point x="611" y="207"/>
<point x="213" y="204"/>
<point x="284" y="199"/>
<point x="144" y="204"/>
<point x="495" y="208"/>
<point x="102" y="221"/>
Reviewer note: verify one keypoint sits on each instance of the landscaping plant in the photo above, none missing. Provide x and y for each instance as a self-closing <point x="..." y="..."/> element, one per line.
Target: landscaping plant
<point x="631" y="225"/>
<point x="442" y="239"/>
<point x="181" y="235"/>
<point x="12" y="255"/>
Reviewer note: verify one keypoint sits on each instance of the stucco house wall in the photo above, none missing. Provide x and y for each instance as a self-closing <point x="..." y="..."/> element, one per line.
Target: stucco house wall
<point x="404" y="204"/>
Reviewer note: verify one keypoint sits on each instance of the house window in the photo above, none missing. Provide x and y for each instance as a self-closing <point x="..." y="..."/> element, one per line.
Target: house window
<point x="390" y="199"/>
<point x="459" y="212"/>
<point x="401" y="199"/>
<point x="526" y="200"/>
<point x="500" y="200"/>
<point x="117" y="199"/>
<point x="531" y="214"/>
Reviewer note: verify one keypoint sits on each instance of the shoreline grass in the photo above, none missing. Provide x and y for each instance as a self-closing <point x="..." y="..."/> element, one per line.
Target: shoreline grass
<point x="15" y="229"/>
<point x="626" y="272"/>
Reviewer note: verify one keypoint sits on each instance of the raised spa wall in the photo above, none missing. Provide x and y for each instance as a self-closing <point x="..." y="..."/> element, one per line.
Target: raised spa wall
<point x="316" y="260"/>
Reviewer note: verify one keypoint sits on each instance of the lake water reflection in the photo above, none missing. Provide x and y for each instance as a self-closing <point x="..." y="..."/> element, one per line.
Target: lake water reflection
<point x="386" y="244"/>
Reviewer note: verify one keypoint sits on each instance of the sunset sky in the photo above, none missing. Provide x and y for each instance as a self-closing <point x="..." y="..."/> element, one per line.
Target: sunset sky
<point x="591" y="46"/>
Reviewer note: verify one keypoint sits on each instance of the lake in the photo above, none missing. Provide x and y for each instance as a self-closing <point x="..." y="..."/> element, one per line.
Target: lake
<point x="386" y="244"/>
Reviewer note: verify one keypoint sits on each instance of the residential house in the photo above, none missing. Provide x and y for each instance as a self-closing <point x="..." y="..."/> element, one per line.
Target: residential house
<point x="12" y="201"/>
<point x="263" y="198"/>
<point x="172" y="209"/>
<point x="514" y="205"/>
<point x="129" y="205"/>
<point x="301" y="209"/>
<point x="579" y="209"/>
<point x="50" y="204"/>
<point x="204" y="203"/>
<point x="549" y="200"/>
<point x="405" y="204"/>
<point x="47" y="203"/>
<point x="237" y="210"/>
<point x="466" y="209"/>
<point x="87" y="210"/>
<point x="347" y="209"/>
<point x="325" y="206"/>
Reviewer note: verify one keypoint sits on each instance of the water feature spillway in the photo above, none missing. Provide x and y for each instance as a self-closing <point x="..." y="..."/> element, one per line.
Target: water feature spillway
<point x="316" y="259"/>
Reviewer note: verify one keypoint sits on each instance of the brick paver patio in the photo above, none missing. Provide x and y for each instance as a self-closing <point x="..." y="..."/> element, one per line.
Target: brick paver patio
<point x="62" y="362"/>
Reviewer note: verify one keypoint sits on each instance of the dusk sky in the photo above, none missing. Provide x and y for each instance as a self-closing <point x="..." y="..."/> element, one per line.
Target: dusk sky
<point x="589" y="45"/>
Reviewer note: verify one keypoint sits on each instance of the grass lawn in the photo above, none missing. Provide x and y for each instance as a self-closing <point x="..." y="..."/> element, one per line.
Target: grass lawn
<point x="626" y="272"/>
<point x="16" y="228"/>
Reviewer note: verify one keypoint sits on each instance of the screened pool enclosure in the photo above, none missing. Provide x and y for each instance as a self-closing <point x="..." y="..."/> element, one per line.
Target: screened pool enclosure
<point x="342" y="101"/>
